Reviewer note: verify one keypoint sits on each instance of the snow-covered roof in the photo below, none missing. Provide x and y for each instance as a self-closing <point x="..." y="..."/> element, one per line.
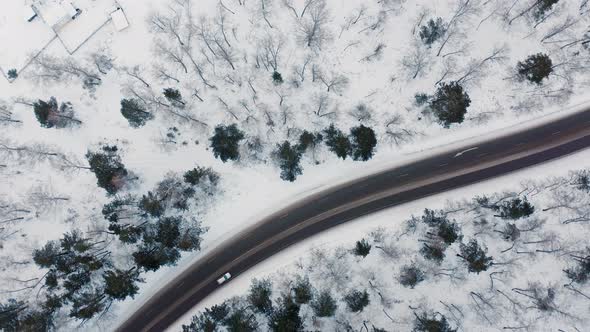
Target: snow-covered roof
<point x="54" y="12"/>
<point x="119" y="19"/>
<point x="28" y="13"/>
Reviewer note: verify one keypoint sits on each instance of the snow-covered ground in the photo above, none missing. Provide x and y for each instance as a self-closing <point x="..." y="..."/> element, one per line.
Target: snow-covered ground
<point x="143" y="65"/>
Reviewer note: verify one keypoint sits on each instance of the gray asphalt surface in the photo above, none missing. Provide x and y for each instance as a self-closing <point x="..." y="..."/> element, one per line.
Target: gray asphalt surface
<point x="358" y="198"/>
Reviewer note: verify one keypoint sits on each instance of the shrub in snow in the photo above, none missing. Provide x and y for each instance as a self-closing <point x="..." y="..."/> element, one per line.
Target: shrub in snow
<point x="289" y="158"/>
<point x="363" y="142"/>
<point x="434" y="251"/>
<point x="437" y="322"/>
<point x="277" y="78"/>
<point x="12" y="74"/>
<point x="449" y="232"/>
<point x="410" y="276"/>
<point x="510" y="232"/>
<point x="362" y="248"/>
<point x="421" y="99"/>
<point x="337" y="142"/>
<point x="259" y="295"/>
<point x="50" y="114"/>
<point x="432" y="31"/>
<point x="110" y="172"/>
<point x="582" y="180"/>
<point x="535" y="68"/>
<point x="357" y="300"/>
<point x="445" y="230"/>
<point x="542" y="298"/>
<point x="135" y="114"/>
<point x="302" y="291"/>
<point x="200" y="176"/>
<point x="580" y="273"/>
<point x="475" y="257"/>
<point x="285" y="317"/>
<point x="433" y="218"/>
<point x="324" y="304"/>
<point x="174" y="97"/>
<point x="225" y="142"/>
<point x="449" y="104"/>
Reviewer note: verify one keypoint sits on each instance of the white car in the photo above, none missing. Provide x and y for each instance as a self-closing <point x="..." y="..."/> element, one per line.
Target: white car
<point x="224" y="278"/>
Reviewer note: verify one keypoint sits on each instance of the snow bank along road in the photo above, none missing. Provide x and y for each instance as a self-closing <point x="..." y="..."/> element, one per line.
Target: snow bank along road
<point x="357" y="198"/>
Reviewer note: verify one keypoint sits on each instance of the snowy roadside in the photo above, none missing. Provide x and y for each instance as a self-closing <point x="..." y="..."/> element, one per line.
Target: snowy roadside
<point x="392" y="219"/>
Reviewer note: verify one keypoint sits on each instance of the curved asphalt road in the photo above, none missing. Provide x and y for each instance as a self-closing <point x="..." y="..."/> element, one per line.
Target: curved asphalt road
<point x="355" y="199"/>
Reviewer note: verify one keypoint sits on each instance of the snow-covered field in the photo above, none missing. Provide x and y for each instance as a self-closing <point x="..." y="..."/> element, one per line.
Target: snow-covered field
<point x="364" y="65"/>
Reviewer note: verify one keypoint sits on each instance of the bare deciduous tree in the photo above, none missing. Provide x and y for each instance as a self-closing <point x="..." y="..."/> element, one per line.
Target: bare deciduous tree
<point x="476" y="68"/>
<point x="463" y="10"/>
<point x="6" y="114"/>
<point x="269" y="52"/>
<point x="313" y="28"/>
<point x="50" y="69"/>
<point x="417" y="61"/>
<point x="44" y="197"/>
<point x="36" y="153"/>
<point x="334" y="82"/>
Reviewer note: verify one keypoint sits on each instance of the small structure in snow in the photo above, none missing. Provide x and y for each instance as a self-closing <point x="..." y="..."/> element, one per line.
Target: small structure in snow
<point x="119" y="19"/>
<point x="29" y="14"/>
<point x="55" y="13"/>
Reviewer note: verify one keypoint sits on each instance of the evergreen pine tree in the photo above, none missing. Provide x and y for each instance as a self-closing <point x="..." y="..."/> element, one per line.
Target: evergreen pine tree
<point x="535" y="68"/>
<point x="515" y="208"/>
<point x="241" y="321"/>
<point x="259" y="295"/>
<point x="450" y="103"/>
<point x="542" y="7"/>
<point x="449" y="232"/>
<point x="120" y="284"/>
<point x="324" y="304"/>
<point x="135" y="114"/>
<point x="580" y="273"/>
<point x="289" y="158"/>
<point x="43" y="111"/>
<point x="277" y="78"/>
<point x="357" y="300"/>
<point x="308" y="139"/>
<point x="432" y="31"/>
<point x="196" y="175"/>
<point x="12" y="74"/>
<point x="337" y="142"/>
<point x="174" y="96"/>
<point x="106" y="165"/>
<point x="225" y="142"/>
<point x="432" y="323"/>
<point x="363" y="142"/>
<point x="302" y="291"/>
<point x="475" y="257"/>
<point x="433" y="251"/>
<point x="410" y="276"/>
<point x="362" y="248"/>
<point x="286" y="317"/>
